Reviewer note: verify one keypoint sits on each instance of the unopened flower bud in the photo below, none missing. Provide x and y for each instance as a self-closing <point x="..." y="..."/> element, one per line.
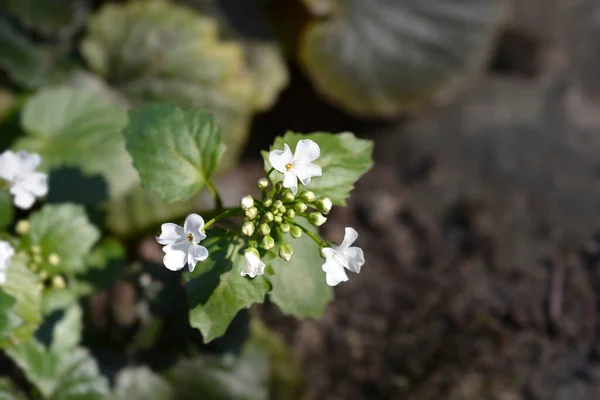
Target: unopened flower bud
<point x="248" y="228"/>
<point x="267" y="203"/>
<point x="43" y="275"/>
<point x="289" y="196"/>
<point x="278" y="185"/>
<point x="36" y="249"/>
<point x="265" y="229"/>
<point x="262" y="183"/>
<point x="251" y="213"/>
<point x="290" y="213"/>
<point x="300" y="207"/>
<point x="277" y="204"/>
<point x="282" y="210"/>
<point x="278" y="218"/>
<point x="269" y="216"/>
<point x="307" y="196"/>
<point x="247" y="202"/>
<point x="316" y="218"/>
<point x="267" y="242"/>
<point x="37" y="259"/>
<point x="53" y="259"/>
<point x="323" y="204"/>
<point x="295" y="231"/>
<point x="286" y="251"/>
<point x="22" y="227"/>
<point x="58" y="282"/>
<point x="285" y="227"/>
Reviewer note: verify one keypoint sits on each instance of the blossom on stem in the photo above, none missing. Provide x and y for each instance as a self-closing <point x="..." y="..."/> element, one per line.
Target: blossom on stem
<point x="18" y="169"/>
<point x="343" y="256"/>
<point x="181" y="244"/>
<point x="6" y="253"/>
<point x="298" y="165"/>
<point x="252" y="264"/>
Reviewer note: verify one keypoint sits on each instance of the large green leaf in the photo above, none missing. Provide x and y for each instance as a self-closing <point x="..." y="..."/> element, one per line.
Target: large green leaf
<point x="216" y="291"/>
<point x="68" y="375"/>
<point x="159" y="51"/>
<point x="174" y="151"/>
<point x="63" y="230"/>
<point x="299" y="286"/>
<point x="66" y="334"/>
<point x="141" y="384"/>
<point x="344" y="159"/>
<point x="82" y="129"/>
<point x="9" y="321"/>
<point x="376" y="57"/>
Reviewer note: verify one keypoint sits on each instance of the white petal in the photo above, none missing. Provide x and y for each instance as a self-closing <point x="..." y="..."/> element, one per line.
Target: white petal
<point x="196" y="253"/>
<point x="175" y="256"/>
<point x="6" y="253"/>
<point x="350" y="235"/>
<point x="36" y="183"/>
<point x="290" y="181"/>
<point x="279" y="158"/>
<point x="355" y="258"/>
<point x="171" y="233"/>
<point x="306" y="151"/>
<point x="253" y="266"/>
<point x="2" y="277"/>
<point x="23" y="199"/>
<point x="306" y="171"/>
<point x="193" y="224"/>
<point x="9" y="165"/>
<point x="334" y="271"/>
<point x="28" y="162"/>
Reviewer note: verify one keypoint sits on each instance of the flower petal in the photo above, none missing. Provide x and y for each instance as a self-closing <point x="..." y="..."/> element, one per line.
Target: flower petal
<point x="290" y="181"/>
<point x="194" y="224"/>
<point x="175" y="256"/>
<point x="279" y="158"/>
<point x="28" y="162"/>
<point x="9" y="165"/>
<point x="355" y="258"/>
<point x="334" y="272"/>
<point x="306" y="171"/>
<point x="23" y="199"/>
<point x="350" y="236"/>
<point x="253" y="266"/>
<point x="171" y="234"/>
<point x="306" y="151"/>
<point x="196" y="253"/>
<point x="36" y="183"/>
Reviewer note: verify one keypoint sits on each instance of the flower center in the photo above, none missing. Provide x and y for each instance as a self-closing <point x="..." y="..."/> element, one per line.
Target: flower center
<point x="190" y="237"/>
<point x="288" y="166"/>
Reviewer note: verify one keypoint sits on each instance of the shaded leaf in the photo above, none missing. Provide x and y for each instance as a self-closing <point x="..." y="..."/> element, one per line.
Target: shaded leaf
<point x="70" y="185"/>
<point x="46" y="16"/>
<point x="8" y="391"/>
<point x="141" y="384"/>
<point x="7" y="210"/>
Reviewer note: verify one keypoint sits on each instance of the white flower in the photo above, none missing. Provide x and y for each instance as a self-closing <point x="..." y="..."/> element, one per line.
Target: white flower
<point x="6" y="253"/>
<point x="181" y="244"/>
<point x="18" y="169"/>
<point x="252" y="264"/>
<point x="342" y="256"/>
<point x="297" y="166"/>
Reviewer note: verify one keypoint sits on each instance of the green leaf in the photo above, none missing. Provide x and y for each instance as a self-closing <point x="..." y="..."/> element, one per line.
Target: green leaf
<point x="9" y="321"/>
<point x="63" y="230"/>
<point x="47" y="16"/>
<point x="376" y="57"/>
<point x="299" y="286"/>
<point x="25" y="288"/>
<point x="174" y="151"/>
<point x="70" y="375"/>
<point x="8" y="391"/>
<point x="81" y="129"/>
<point x="7" y="210"/>
<point x="216" y="291"/>
<point x="141" y="384"/>
<point x="66" y="334"/>
<point x="344" y="159"/>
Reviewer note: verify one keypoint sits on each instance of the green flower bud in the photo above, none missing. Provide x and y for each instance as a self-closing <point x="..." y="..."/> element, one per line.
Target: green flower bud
<point x="289" y="196"/>
<point x="316" y="218"/>
<point x="248" y="228"/>
<point x="43" y="275"/>
<point x="262" y="183"/>
<point x="277" y="204"/>
<point x="285" y="227"/>
<point x="269" y="216"/>
<point x="278" y="185"/>
<point x="23" y="227"/>
<point x="252" y="250"/>
<point x="300" y="207"/>
<point x="295" y="231"/>
<point x="278" y="218"/>
<point x="265" y="229"/>
<point x="267" y="203"/>
<point x="307" y="196"/>
<point x="267" y="242"/>
<point x="323" y="204"/>
<point x="247" y="202"/>
<point x="36" y="249"/>
<point x="251" y="213"/>
<point x="282" y="209"/>
<point x="286" y="251"/>
<point x="53" y="259"/>
<point x="290" y="213"/>
<point x="58" y="282"/>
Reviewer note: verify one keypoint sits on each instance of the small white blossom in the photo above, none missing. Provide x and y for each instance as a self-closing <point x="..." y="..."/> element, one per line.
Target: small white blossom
<point x="252" y="264"/>
<point x="6" y="253"/>
<point x="297" y="166"/>
<point x="18" y="169"/>
<point x="342" y="256"/>
<point x="181" y="244"/>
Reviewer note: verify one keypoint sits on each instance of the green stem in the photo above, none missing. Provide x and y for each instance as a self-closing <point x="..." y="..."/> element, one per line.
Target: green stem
<point x="311" y="235"/>
<point x="211" y="187"/>
<point x="270" y="171"/>
<point x="224" y="214"/>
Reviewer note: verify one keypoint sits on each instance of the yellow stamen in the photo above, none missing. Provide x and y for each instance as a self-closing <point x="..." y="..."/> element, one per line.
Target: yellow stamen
<point x="288" y="166"/>
<point x="190" y="237"/>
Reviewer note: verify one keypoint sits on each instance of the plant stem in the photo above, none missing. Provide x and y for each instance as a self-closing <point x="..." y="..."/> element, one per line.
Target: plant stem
<point x="224" y="214"/>
<point x="269" y="173"/>
<point x="311" y="235"/>
<point x="211" y="187"/>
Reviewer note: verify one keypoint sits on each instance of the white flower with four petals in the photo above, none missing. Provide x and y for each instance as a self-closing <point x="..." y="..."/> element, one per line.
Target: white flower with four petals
<point x="297" y="166"/>
<point x="252" y="264"/>
<point x="343" y="256"/>
<point x="181" y="243"/>
<point x="6" y="253"/>
<point x="18" y="169"/>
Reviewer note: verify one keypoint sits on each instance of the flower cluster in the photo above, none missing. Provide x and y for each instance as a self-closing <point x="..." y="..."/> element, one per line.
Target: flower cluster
<point x="268" y="219"/>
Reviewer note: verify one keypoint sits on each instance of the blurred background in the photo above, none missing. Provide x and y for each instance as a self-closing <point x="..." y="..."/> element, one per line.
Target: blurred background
<point x="479" y="220"/>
